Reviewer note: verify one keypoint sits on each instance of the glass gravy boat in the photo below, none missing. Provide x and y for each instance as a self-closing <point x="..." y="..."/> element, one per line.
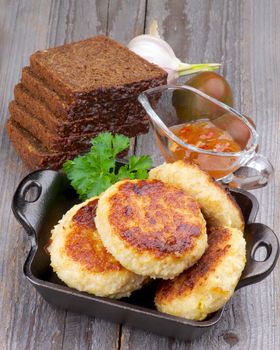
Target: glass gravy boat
<point x="169" y="107"/>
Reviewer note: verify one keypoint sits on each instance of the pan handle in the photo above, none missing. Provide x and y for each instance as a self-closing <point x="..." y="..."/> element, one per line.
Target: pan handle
<point x="27" y="211"/>
<point x="257" y="236"/>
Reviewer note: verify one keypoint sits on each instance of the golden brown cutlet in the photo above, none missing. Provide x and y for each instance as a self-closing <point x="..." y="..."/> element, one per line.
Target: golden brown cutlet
<point x="217" y="205"/>
<point x="80" y="259"/>
<point x="152" y="228"/>
<point x="206" y="286"/>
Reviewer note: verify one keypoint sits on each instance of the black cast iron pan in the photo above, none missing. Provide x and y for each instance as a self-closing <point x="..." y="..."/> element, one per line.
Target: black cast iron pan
<point x="53" y="196"/>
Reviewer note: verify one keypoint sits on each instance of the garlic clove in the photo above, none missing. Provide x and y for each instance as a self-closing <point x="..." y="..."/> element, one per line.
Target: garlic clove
<point x="158" y="51"/>
<point x="155" y="50"/>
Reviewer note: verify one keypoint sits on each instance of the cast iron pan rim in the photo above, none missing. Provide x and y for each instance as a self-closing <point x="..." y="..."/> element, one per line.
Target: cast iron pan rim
<point x="119" y="303"/>
<point x="116" y="303"/>
<point x="254" y="201"/>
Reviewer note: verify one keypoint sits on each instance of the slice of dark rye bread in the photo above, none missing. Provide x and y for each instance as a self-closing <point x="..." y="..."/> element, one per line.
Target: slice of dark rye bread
<point x="51" y="141"/>
<point x="128" y="124"/>
<point x="32" y="152"/>
<point x="74" y="111"/>
<point x="95" y="69"/>
<point x="127" y="107"/>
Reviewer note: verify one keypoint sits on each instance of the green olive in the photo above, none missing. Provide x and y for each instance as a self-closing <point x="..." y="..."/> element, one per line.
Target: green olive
<point x="190" y="105"/>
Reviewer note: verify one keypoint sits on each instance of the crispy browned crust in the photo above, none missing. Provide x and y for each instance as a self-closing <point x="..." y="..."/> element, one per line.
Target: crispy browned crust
<point x="218" y="246"/>
<point x="79" y="71"/>
<point x="84" y="245"/>
<point x="141" y="214"/>
<point x="219" y="187"/>
<point x="208" y="186"/>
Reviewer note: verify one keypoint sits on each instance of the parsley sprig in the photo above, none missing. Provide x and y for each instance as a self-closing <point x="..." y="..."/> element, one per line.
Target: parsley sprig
<point x="94" y="172"/>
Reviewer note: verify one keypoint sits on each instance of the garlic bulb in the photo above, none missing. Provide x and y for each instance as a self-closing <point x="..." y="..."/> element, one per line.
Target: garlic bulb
<point x="158" y="51"/>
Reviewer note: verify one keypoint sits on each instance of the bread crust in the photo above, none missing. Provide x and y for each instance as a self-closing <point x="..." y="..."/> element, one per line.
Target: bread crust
<point x="32" y="152"/>
<point x="52" y="141"/>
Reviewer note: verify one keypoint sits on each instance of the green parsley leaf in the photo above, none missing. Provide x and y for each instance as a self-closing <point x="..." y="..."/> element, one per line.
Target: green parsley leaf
<point x="139" y="162"/>
<point x="120" y="143"/>
<point x="94" y="172"/>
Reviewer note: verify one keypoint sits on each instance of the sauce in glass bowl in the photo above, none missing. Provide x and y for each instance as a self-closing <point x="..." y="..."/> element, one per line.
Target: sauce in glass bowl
<point x="205" y="135"/>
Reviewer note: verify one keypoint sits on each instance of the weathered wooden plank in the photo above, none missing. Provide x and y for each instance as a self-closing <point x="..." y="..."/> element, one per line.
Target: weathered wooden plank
<point x="50" y="24"/>
<point x="28" y="322"/>
<point x="73" y="21"/>
<point x="178" y="21"/>
<point x="242" y="36"/>
<point x="263" y="80"/>
<point x="124" y="20"/>
<point x="20" y="304"/>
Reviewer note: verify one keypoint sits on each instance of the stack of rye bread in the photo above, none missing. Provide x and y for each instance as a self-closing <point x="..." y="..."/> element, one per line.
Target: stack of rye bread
<point x="71" y="93"/>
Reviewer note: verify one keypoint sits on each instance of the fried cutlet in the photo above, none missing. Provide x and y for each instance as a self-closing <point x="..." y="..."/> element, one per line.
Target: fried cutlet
<point x="152" y="228"/>
<point x="80" y="260"/>
<point x="217" y="205"/>
<point x="208" y="285"/>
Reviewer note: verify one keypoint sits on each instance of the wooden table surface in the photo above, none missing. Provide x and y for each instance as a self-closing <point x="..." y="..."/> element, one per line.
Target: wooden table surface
<point x="245" y="37"/>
